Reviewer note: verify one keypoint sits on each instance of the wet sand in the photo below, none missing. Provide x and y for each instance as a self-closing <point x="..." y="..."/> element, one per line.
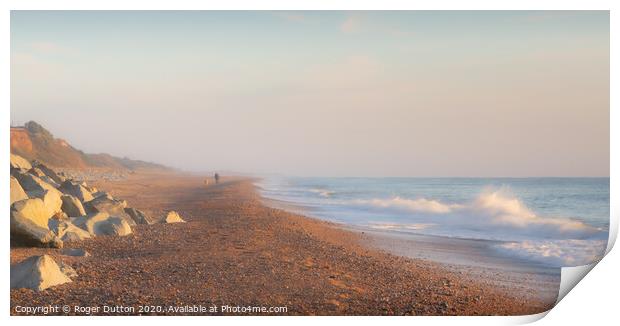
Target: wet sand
<point x="235" y="251"/>
<point x="475" y="259"/>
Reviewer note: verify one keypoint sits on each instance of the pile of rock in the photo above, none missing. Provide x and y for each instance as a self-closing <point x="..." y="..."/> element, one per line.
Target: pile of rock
<point x="48" y="209"/>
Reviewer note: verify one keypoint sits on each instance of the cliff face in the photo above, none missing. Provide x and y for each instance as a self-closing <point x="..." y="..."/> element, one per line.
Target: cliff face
<point x="36" y="143"/>
<point x="20" y="140"/>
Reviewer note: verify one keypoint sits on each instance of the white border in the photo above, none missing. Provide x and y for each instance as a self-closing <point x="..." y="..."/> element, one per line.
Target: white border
<point x="596" y="301"/>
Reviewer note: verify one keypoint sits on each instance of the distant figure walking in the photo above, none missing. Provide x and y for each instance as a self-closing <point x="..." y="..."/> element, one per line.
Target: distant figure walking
<point x="217" y="178"/>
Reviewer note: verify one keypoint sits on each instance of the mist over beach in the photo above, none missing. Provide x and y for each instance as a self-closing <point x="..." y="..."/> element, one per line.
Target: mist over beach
<point x="426" y="94"/>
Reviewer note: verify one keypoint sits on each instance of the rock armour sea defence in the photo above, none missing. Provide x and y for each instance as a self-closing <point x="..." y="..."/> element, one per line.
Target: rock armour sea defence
<point x="47" y="210"/>
<point x="46" y="213"/>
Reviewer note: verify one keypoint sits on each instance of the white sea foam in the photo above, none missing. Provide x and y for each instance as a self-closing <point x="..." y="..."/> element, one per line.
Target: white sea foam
<point x="557" y="253"/>
<point x="421" y="205"/>
<point x="399" y="226"/>
<point x="322" y="192"/>
<point x="493" y="213"/>
<point x="501" y="210"/>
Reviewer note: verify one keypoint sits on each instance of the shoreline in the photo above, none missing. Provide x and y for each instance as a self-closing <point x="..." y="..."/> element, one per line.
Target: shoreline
<point x="474" y="258"/>
<point x="234" y="250"/>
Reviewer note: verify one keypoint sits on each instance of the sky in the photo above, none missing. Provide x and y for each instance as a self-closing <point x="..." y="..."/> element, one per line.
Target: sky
<point x="323" y="93"/>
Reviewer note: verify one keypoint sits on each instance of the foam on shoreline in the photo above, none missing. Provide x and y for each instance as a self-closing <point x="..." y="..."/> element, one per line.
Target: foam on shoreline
<point x="478" y="259"/>
<point x="494" y="214"/>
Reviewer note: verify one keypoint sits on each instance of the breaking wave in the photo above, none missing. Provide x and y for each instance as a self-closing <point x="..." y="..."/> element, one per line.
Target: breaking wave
<point x="496" y="215"/>
<point x="322" y="192"/>
<point x="422" y="205"/>
<point x="552" y="238"/>
<point x="493" y="211"/>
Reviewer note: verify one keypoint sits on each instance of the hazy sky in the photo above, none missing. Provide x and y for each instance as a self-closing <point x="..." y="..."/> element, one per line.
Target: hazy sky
<point x="323" y="93"/>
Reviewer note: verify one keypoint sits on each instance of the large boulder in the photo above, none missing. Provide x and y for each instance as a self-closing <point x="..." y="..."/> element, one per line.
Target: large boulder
<point x="115" y="226"/>
<point x="138" y="216"/>
<point x="103" y="224"/>
<point x="33" y="185"/>
<point x="17" y="192"/>
<point x="30" y="224"/>
<point x="18" y="162"/>
<point x="37" y="273"/>
<point x="172" y="217"/>
<point x="32" y="209"/>
<point x="72" y="206"/>
<point x="49" y="173"/>
<point x="67" y="231"/>
<point x="76" y="190"/>
<point x="52" y="201"/>
<point x="26" y="232"/>
<point x="107" y="204"/>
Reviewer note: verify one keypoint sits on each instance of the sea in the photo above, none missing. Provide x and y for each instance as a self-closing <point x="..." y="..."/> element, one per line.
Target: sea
<point x="556" y="222"/>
